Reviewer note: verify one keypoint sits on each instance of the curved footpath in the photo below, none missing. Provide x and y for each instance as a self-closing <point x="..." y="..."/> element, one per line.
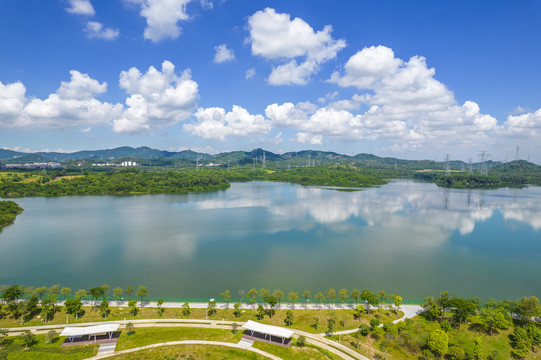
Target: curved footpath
<point x="315" y="339"/>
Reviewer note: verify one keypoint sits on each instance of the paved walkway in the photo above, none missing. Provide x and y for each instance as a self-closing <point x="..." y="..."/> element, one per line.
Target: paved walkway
<point x="187" y="342"/>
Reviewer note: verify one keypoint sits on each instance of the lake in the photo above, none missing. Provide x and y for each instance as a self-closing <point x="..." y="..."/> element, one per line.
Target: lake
<point x="409" y="238"/>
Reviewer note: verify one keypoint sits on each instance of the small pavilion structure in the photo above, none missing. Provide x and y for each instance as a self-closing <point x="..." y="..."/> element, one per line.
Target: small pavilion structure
<point x="73" y="332"/>
<point x="268" y="330"/>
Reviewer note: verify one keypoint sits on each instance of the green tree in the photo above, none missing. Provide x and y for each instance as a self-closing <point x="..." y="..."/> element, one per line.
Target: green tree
<point x="226" y="295"/>
<point x="129" y="291"/>
<point x="445" y="326"/>
<point x="272" y="301"/>
<point x="48" y="308"/>
<point x="306" y="295"/>
<point x="355" y="295"/>
<point x="129" y="328"/>
<point x="292" y="296"/>
<point x="288" y="321"/>
<point x="117" y="293"/>
<point x="496" y="318"/>
<point x="252" y="293"/>
<point x="104" y="308"/>
<point x="29" y="308"/>
<point x="142" y="292"/>
<point x="263" y="293"/>
<point x="390" y="328"/>
<point x="397" y="301"/>
<point x="462" y="309"/>
<point x="242" y="293"/>
<point x="301" y="341"/>
<point x="343" y="295"/>
<point x="320" y="297"/>
<point x="238" y="310"/>
<point x="186" y="310"/>
<point x="432" y="309"/>
<point x="27" y="338"/>
<point x="106" y="288"/>
<point x="12" y="294"/>
<point x="369" y="298"/>
<point x="382" y="295"/>
<point x="65" y="292"/>
<point x="331" y="324"/>
<point x="74" y="306"/>
<point x="278" y="295"/>
<point x="438" y="342"/>
<point x="331" y="294"/>
<point x="160" y="309"/>
<point x="456" y="353"/>
<point x="55" y="289"/>
<point x="81" y="293"/>
<point x="41" y="292"/>
<point x="315" y="322"/>
<point x="528" y="308"/>
<point x="211" y="307"/>
<point x="51" y="335"/>
<point x="132" y="304"/>
<point x="478" y="350"/>
<point x="357" y="313"/>
<point x="95" y="293"/>
<point x="261" y="312"/>
<point x="521" y="343"/>
<point x="444" y="302"/>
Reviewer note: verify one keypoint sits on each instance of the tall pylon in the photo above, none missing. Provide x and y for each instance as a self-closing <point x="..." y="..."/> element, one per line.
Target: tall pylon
<point x="484" y="156"/>
<point x="447" y="168"/>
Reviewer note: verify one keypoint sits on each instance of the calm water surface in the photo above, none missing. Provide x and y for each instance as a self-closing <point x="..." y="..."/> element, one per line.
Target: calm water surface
<point x="409" y="238"/>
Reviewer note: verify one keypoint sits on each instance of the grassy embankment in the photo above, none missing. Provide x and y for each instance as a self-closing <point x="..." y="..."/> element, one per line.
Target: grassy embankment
<point x="302" y="319"/>
<point x="14" y="349"/>
<point x="191" y="352"/>
<point x="147" y="336"/>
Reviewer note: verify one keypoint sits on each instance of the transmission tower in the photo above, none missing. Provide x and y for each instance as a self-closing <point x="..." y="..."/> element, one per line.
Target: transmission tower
<point x="264" y="160"/>
<point x="484" y="156"/>
<point x="447" y="168"/>
<point x="470" y="169"/>
<point x="518" y="147"/>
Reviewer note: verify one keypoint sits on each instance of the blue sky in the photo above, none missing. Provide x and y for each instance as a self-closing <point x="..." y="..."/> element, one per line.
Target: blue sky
<point x="412" y="79"/>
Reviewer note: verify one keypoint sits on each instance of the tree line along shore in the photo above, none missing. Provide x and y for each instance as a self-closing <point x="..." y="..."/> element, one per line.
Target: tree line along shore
<point x="449" y="327"/>
<point x="163" y="180"/>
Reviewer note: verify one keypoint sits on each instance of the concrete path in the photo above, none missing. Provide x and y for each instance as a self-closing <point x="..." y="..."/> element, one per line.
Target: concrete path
<point x="187" y="342"/>
<point x="107" y="348"/>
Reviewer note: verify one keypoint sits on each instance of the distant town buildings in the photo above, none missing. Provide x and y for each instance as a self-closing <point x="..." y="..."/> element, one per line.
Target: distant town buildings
<point x="124" y="163"/>
<point x="43" y="165"/>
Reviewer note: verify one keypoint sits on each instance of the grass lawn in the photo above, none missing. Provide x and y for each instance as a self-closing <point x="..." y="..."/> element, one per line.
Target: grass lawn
<point x="302" y="319"/>
<point x="147" y="336"/>
<point x="308" y="352"/>
<point x="14" y="349"/>
<point x="191" y="352"/>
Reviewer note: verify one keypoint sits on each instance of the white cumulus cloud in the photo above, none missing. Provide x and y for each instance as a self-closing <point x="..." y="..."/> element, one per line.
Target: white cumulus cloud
<point x="81" y="7"/>
<point x="215" y="123"/>
<point x="157" y="99"/>
<point x="162" y="17"/>
<point x="250" y="73"/>
<point x="95" y="29"/>
<point x="275" y="36"/>
<point x="73" y="104"/>
<point x="223" y="54"/>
